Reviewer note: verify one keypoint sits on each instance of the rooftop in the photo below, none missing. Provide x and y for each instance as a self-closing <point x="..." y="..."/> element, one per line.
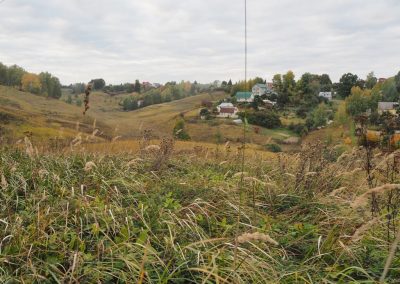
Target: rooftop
<point x="387" y="105"/>
<point x="243" y="95"/>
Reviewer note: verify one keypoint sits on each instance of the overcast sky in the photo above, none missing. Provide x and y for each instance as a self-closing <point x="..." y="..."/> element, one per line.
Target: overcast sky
<point x="163" y="40"/>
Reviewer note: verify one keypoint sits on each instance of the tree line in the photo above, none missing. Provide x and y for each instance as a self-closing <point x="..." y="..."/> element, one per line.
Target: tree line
<point x="366" y="96"/>
<point x="170" y="92"/>
<point x="43" y="84"/>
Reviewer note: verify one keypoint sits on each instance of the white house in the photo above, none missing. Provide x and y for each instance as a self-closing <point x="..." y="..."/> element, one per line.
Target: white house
<point x="269" y="103"/>
<point x="259" y="90"/>
<point x="326" y="95"/>
<point x="388" y="107"/>
<point x="227" y="110"/>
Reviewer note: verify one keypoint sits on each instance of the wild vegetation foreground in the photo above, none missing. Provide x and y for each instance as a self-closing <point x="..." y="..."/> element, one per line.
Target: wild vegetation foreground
<point x="164" y="216"/>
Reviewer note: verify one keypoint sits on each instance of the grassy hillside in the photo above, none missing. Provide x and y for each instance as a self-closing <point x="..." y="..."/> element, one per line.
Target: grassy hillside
<point x="47" y="118"/>
<point x="160" y="215"/>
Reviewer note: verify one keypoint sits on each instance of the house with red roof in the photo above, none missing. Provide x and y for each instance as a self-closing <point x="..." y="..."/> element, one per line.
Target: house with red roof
<point x="227" y="110"/>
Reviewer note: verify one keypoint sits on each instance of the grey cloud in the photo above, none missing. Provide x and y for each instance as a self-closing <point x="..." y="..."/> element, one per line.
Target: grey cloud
<point x="161" y="40"/>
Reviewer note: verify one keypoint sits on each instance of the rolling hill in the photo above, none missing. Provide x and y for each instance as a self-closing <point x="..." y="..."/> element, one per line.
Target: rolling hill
<point x="46" y="118"/>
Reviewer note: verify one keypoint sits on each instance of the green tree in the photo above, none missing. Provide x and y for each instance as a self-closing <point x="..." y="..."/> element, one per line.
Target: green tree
<point x="277" y="83"/>
<point x="267" y="119"/>
<point x="358" y="102"/>
<point x="288" y="81"/>
<point x="3" y="74"/>
<point x="319" y="115"/>
<point x="69" y="99"/>
<point x="137" y="86"/>
<point x="389" y="91"/>
<point x="98" y="84"/>
<point x="129" y="103"/>
<point x="371" y="80"/>
<point x="78" y="88"/>
<point x="51" y="86"/>
<point x="397" y="81"/>
<point x="179" y="131"/>
<point x="14" y="75"/>
<point x="346" y="82"/>
<point x="326" y="83"/>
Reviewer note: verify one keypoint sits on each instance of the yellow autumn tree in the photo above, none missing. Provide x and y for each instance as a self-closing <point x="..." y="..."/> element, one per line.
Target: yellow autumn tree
<point x="31" y="83"/>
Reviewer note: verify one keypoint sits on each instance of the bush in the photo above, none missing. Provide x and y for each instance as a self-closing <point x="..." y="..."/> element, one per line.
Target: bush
<point x="273" y="148"/>
<point x="267" y="119"/>
<point x="180" y="131"/>
<point x="78" y="102"/>
<point x="299" y="129"/>
<point x="302" y="111"/>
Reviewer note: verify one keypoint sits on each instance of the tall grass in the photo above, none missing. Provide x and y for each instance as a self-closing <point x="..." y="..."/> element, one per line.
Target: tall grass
<point x="85" y="218"/>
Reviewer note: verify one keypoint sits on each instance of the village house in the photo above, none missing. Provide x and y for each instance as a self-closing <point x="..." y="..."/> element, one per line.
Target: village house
<point x="147" y="86"/>
<point x="390" y="107"/>
<point x="269" y="103"/>
<point x="326" y="95"/>
<point x="262" y="89"/>
<point x="257" y="90"/>
<point x="227" y="110"/>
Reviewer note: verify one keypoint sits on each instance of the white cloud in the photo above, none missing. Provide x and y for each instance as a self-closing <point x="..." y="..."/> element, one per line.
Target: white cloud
<point x="162" y="40"/>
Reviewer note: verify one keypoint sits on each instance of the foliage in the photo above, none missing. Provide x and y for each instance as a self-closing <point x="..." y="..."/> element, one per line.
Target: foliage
<point x="275" y="148"/>
<point x="243" y="86"/>
<point x="98" y="84"/>
<point x="77" y="88"/>
<point x="69" y="99"/>
<point x="180" y="131"/>
<point x="137" y="86"/>
<point x="130" y="103"/>
<point x="360" y="101"/>
<point x="318" y="117"/>
<point x="397" y="81"/>
<point x="31" y="83"/>
<point x="299" y="129"/>
<point x="267" y="119"/>
<point x="50" y="85"/>
<point x="78" y="102"/>
<point x="14" y="76"/>
<point x="347" y="81"/>
<point x="44" y="83"/>
<point x="389" y="91"/>
<point x="205" y="112"/>
<point x="371" y="80"/>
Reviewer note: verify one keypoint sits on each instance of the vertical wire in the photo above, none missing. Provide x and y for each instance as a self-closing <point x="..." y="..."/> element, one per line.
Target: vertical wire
<point x="245" y="43"/>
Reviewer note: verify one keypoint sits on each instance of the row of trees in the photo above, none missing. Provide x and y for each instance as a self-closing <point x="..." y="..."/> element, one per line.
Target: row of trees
<point x="44" y="84"/>
<point x="366" y="97"/>
<point x="169" y="92"/>
<point x="303" y="92"/>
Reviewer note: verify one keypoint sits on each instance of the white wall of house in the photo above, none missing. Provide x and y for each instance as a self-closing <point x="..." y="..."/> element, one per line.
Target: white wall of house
<point x="326" y="95"/>
<point x="227" y="115"/>
<point x="249" y="100"/>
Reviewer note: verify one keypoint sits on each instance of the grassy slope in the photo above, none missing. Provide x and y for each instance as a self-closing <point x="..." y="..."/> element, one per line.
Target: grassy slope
<point x="44" y="117"/>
